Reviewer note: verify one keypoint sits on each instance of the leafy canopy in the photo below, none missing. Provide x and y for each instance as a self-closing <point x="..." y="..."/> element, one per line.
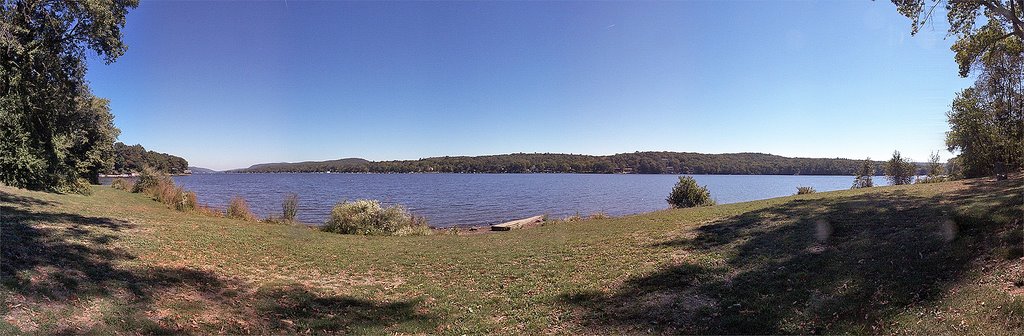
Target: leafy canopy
<point x="54" y="132"/>
<point x="986" y="120"/>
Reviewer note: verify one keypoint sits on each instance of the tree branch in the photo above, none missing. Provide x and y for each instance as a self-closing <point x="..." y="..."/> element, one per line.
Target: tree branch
<point x="1015" y="22"/>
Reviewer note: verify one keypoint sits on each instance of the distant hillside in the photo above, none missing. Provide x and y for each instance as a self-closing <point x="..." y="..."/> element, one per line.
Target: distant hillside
<point x="339" y="165"/>
<point x="131" y="159"/>
<point x="200" y="170"/>
<point x="630" y="163"/>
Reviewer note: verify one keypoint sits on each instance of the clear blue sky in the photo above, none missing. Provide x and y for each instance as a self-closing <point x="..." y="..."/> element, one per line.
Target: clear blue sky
<point x="229" y="84"/>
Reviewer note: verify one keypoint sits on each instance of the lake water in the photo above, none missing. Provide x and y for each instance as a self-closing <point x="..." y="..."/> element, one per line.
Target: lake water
<point x="483" y="199"/>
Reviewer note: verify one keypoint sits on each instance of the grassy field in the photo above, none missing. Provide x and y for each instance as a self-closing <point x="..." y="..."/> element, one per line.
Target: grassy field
<point x="922" y="259"/>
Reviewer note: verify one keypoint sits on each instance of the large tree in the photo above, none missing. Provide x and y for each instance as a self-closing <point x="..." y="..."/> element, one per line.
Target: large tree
<point x="54" y="132"/>
<point x="986" y="120"/>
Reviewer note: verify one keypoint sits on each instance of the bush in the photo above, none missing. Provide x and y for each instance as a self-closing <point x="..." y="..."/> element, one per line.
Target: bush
<point x="123" y="184"/>
<point x="805" y="190"/>
<point x="148" y="179"/>
<point x="290" y="207"/>
<point x="162" y="189"/>
<point x="368" y="217"/>
<point x="239" y="209"/>
<point x="184" y="200"/>
<point x="165" y="191"/>
<point x="688" y="194"/>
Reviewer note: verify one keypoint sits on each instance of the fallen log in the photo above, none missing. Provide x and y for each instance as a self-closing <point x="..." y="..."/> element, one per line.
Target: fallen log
<point x="517" y="224"/>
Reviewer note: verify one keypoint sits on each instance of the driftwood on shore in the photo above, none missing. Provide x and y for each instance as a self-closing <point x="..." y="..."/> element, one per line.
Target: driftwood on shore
<point x="517" y="224"/>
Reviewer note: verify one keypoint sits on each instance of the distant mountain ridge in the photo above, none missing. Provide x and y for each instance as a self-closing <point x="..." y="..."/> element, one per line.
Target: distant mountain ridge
<point x="629" y="163"/>
<point x="307" y="166"/>
<point x="201" y="170"/>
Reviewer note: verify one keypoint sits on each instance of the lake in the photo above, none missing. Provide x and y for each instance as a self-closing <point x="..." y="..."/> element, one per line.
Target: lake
<point x="484" y="199"/>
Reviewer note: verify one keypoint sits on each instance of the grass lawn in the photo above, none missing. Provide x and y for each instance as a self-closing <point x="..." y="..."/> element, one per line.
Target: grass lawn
<point x="921" y="259"/>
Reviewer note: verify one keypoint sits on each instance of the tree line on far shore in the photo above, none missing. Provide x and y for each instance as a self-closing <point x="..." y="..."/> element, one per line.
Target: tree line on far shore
<point x="638" y="163"/>
<point x="133" y="159"/>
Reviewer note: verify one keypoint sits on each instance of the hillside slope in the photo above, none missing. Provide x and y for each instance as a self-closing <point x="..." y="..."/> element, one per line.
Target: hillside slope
<point x="923" y="259"/>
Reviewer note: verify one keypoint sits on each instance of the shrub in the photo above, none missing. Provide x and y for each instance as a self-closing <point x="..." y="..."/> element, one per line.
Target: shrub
<point x="122" y="184"/>
<point x="417" y="227"/>
<point x="805" y="190"/>
<point x="599" y="215"/>
<point x="687" y="194"/>
<point x="290" y="207"/>
<point x="184" y="200"/>
<point x="164" y="192"/>
<point x="148" y="178"/>
<point x="368" y="217"/>
<point x="239" y="209"/>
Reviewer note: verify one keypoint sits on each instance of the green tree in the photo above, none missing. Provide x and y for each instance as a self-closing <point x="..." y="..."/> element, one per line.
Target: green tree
<point x="54" y="132"/>
<point x="864" y="175"/>
<point x="899" y="170"/>
<point x="935" y="168"/>
<point x="986" y="120"/>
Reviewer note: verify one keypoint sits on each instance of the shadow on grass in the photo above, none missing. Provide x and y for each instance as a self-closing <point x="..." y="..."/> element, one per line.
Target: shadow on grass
<point x="62" y="261"/>
<point x="816" y="265"/>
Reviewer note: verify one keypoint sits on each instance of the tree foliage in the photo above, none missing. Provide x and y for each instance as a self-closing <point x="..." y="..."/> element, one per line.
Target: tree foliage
<point x="133" y="159"/>
<point x="986" y="120"/>
<point x="638" y="162"/>
<point x="864" y="175"/>
<point x="935" y="167"/>
<point x="54" y="132"/>
<point x="687" y="194"/>
<point x="899" y="170"/>
<point x="977" y="24"/>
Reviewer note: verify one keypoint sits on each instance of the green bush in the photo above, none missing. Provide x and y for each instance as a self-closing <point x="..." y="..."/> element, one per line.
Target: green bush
<point x="688" y="194"/>
<point x="164" y="192"/>
<point x="368" y="217"/>
<point x="239" y="209"/>
<point x="162" y="188"/>
<point x="290" y="207"/>
<point x="805" y="190"/>
<point x="148" y="179"/>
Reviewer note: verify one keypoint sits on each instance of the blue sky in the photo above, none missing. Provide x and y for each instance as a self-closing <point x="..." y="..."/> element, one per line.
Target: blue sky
<point x="230" y="84"/>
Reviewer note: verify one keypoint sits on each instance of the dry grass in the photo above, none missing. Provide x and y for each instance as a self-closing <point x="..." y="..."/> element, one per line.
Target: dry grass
<point x="239" y="209"/>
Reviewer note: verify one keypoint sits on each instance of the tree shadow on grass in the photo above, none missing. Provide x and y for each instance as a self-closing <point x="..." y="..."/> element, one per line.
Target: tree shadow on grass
<point x="816" y="265"/>
<point x="61" y="263"/>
